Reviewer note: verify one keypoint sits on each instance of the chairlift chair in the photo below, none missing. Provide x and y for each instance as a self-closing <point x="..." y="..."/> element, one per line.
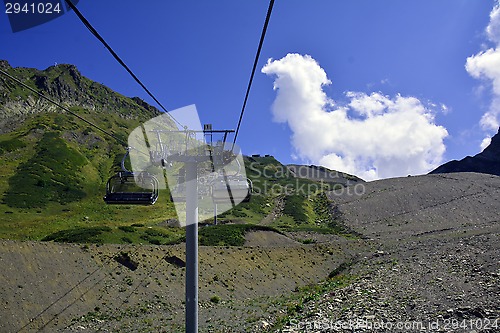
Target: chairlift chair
<point x="129" y="188"/>
<point x="178" y="191"/>
<point x="122" y="189"/>
<point x="231" y="189"/>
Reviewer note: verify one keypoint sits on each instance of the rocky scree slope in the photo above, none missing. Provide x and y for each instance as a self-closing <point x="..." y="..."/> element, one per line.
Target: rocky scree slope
<point x="436" y="266"/>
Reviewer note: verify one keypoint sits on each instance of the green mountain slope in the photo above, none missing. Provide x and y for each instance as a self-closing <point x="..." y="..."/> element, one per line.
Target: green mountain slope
<point x="55" y="168"/>
<point x="52" y="174"/>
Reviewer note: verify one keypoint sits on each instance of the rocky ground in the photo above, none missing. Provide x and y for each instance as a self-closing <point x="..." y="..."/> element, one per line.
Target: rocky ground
<point x="427" y="261"/>
<point x="445" y="283"/>
<point x="48" y="287"/>
<point x="437" y="263"/>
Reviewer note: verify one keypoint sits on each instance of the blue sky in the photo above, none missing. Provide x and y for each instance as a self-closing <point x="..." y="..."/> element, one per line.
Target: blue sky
<point x="389" y="54"/>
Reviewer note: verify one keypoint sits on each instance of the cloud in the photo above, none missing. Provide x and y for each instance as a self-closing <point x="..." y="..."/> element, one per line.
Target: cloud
<point x="486" y="142"/>
<point x="493" y="28"/>
<point x="369" y="135"/>
<point x="486" y="65"/>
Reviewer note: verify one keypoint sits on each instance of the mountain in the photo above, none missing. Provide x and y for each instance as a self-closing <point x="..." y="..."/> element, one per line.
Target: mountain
<point x="54" y="165"/>
<point x="50" y="155"/>
<point x="64" y="84"/>
<point x="322" y="174"/>
<point x="55" y="168"/>
<point x="488" y="161"/>
<point x="304" y="250"/>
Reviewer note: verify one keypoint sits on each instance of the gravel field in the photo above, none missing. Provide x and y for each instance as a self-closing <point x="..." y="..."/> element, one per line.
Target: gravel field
<point x="436" y="267"/>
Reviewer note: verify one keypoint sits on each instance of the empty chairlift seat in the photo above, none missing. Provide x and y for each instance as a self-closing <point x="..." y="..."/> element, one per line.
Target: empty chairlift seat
<point x="122" y="188"/>
<point x="231" y="189"/>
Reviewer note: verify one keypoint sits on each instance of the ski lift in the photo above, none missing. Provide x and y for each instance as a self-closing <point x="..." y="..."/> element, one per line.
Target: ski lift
<point x="131" y="189"/>
<point x="232" y="189"/>
<point x="178" y="192"/>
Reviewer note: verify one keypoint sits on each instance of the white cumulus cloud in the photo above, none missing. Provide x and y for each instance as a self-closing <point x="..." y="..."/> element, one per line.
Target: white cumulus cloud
<point x="370" y="135"/>
<point x="486" y="65"/>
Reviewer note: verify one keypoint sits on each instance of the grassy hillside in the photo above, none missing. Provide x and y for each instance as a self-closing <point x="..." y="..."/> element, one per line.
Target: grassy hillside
<point x="52" y="174"/>
<point x="55" y="168"/>
<point x="282" y="200"/>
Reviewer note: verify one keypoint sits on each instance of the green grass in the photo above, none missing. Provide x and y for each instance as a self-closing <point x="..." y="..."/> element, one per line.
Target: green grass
<point x="294" y="207"/>
<point x="228" y="234"/>
<point x="37" y="223"/>
<point x="121" y="234"/>
<point x="295" y="304"/>
<point x="249" y="212"/>
<point x="217" y="235"/>
<point x="11" y="145"/>
<point x="127" y="228"/>
<point x="322" y="208"/>
<point x="77" y="235"/>
<point x="51" y="175"/>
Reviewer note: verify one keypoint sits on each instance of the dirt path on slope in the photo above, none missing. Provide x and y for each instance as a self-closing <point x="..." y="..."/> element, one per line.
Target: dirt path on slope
<point x="276" y="212"/>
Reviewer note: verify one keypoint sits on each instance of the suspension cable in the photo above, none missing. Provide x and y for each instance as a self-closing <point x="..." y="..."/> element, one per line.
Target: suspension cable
<point x="125" y="144"/>
<point x="113" y="53"/>
<point x="261" y="42"/>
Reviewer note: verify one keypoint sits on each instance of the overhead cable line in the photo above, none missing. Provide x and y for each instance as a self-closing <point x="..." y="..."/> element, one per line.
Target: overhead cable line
<point x="113" y="53"/>
<point x="125" y="144"/>
<point x="257" y="55"/>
